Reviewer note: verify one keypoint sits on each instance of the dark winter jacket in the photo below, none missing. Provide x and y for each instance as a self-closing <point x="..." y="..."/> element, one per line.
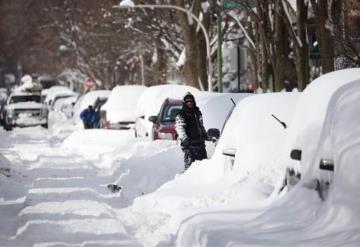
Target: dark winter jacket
<point x="89" y="116"/>
<point x="189" y="125"/>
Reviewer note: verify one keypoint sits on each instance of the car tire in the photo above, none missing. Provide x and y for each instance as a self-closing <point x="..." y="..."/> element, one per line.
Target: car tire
<point x="7" y="127"/>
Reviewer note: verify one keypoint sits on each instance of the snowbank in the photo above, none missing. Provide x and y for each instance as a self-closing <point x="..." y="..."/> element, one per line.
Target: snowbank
<point x="92" y="143"/>
<point x="122" y="103"/>
<point x="208" y="185"/>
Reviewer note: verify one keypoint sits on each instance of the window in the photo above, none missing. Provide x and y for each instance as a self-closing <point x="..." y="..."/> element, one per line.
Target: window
<point x="25" y="98"/>
<point x="170" y="112"/>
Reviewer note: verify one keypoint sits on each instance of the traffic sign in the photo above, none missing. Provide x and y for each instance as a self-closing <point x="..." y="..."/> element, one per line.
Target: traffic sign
<point x="89" y="83"/>
<point x="227" y="5"/>
<point x="231" y="5"/>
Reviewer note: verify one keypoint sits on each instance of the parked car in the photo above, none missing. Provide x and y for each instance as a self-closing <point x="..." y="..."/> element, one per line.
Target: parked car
<point x="24" y="109"/>
<point x="119" y="110"/>
<point x="65" y="105"/>
<point x="320" y="132"/>
<point x="151" y="101"/>
<point x="164" y="122"/>
<point x="55" y="93"/>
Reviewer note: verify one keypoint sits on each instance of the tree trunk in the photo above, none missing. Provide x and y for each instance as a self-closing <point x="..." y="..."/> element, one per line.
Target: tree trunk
<point x="323" y="35"/>
<point x="264" y="31"/>
<point x="191" y="69"/>
<point x="302" y="58"/>
<point x="280" y="47"/>
<point x="202" y="56"/>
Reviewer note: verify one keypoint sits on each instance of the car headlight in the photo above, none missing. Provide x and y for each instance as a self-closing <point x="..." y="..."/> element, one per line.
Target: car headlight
<point x="165" y="136"/>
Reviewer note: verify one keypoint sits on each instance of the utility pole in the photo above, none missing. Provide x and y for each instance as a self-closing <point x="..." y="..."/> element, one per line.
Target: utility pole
<point x="225" y="5"/>
<point x="219" y="53"/>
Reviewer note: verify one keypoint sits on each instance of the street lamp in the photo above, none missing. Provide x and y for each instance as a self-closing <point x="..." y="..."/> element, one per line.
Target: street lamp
<point x="126" y="4"/>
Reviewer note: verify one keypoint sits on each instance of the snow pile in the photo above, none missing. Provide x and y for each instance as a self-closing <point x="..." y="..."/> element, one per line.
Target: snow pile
<point x="122" y="103"/>
<point x="92" y="143"/>
<point x="56" y="91"/>
<point x="11" y="186"/>
<point x="27" y="84"/>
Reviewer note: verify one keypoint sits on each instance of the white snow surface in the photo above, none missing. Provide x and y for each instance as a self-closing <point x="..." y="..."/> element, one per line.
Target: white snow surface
<point x="122" y="103"/>
<point x="54" y="183"/>
<point x="54" y="91"/>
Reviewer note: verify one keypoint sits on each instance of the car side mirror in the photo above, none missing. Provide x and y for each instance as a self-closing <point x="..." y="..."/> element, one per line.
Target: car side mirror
<point x="326" y="164"/>
<point x="143" y="117"/>
<point x="213" y="132"/>
<point x="153" y="119"/>
<point x="295" y="154"/>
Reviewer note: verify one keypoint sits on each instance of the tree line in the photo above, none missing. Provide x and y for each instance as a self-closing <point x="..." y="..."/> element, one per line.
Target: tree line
<point x="286" y="39"/>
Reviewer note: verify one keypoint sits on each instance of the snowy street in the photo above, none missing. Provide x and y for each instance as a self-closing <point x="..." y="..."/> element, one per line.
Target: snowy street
<point x="57" y="196"/>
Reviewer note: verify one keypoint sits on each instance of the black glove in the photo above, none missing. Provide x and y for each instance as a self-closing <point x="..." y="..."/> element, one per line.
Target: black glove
<point x="185" y="143"/>
<point x="211" y="139"/>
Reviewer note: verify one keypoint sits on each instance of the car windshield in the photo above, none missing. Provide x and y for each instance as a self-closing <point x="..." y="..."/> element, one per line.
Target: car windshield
<point x="170" y="113"/>
<point x="25" y="98"/>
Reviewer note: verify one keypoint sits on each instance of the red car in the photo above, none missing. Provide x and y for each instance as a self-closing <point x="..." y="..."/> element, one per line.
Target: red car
<point x="164" y="122"/>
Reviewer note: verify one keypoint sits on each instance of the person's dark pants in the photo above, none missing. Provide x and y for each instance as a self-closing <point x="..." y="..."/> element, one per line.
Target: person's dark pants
<point x="87" y="125"/>
<point x="194" y="153"/>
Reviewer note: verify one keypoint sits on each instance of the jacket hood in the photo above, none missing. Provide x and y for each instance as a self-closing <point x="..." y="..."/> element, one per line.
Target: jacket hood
<point x="188" y="95"/>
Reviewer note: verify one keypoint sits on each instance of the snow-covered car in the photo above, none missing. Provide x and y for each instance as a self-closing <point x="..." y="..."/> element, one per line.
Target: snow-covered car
<point x="65" y="105"/>
<point x="314" y="139"/>
<point x="56" y="93"/>
<point x="150" y="103"/>
<point x="252" y="137"/>
<point x="24" y="109"/>
<point x="119" y="110"/>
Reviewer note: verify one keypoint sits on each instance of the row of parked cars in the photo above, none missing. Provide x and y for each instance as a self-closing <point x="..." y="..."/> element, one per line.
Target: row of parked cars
<point x="28" y="105"/>
<point x="149" y="111"/>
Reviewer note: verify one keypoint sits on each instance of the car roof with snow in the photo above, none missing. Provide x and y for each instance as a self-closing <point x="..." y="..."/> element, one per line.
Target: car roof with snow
<point x="151" y="100"/>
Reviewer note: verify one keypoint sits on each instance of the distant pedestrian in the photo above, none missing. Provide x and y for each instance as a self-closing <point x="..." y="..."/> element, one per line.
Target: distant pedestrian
<point x="191" y="131"/>
<point x="89" y="117"/>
